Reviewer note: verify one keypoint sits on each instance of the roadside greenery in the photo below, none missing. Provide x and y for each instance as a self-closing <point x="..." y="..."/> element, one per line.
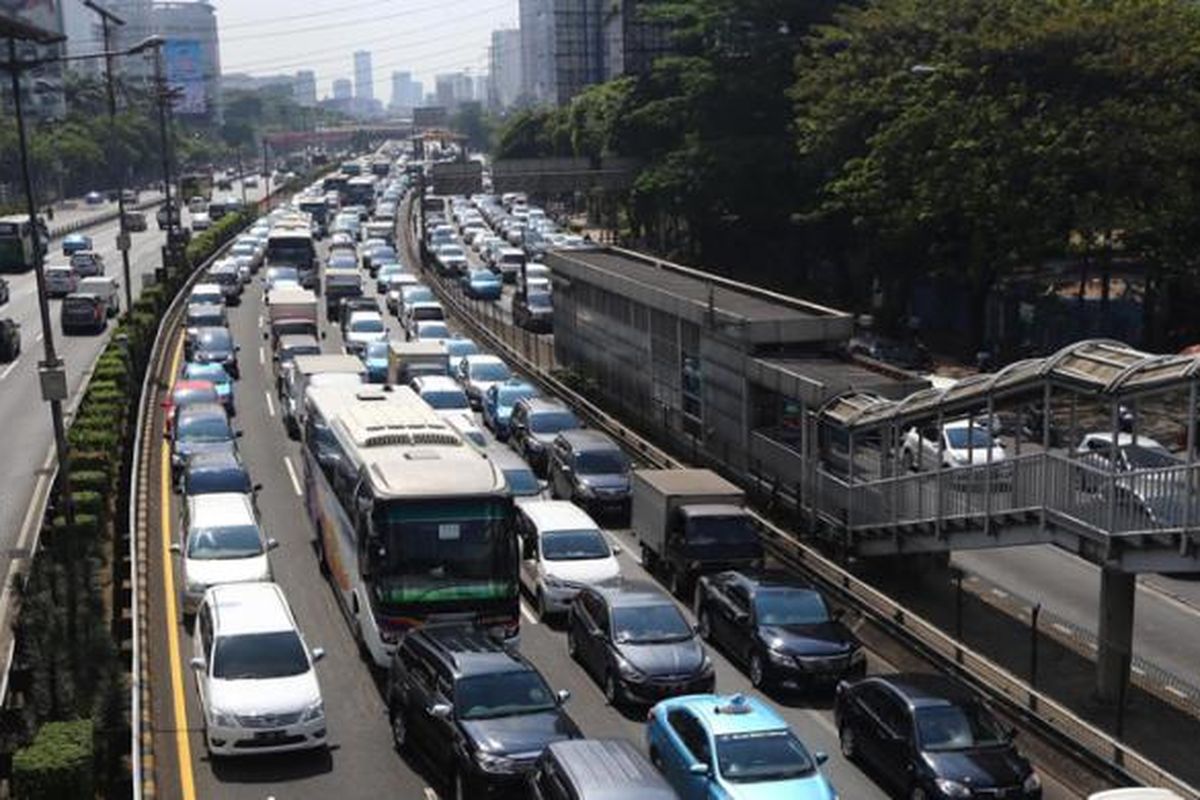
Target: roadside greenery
<point x="845" y="151"/>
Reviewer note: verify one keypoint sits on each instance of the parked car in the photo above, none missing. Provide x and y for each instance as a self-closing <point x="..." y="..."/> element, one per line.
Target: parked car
<point x="478" y="373"/>
<point x="733" y="747"/>
<point x="957" y="444"/>
<point x="637" y="644"/>
<point x="74" y="242"/>
<point x="478" y="710"/>
<point x="534" y="423"/>
<point x="498" y="402"/>
<point x="588" y="468"/>
<point x="780" y="629"/>
<point x="930" y="736"/>
<point x="596" y="769"/>
<point x="200" y="428"/>
<point x="220" y="542"/>
<point x="562" y="550"/>
<point x="255" y="676"/>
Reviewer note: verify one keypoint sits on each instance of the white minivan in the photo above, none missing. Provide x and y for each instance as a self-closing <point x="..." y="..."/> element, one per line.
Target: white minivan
<point x="562" y="551"/>
<point x="222" y="543"/>
<point x="255" y="679"/>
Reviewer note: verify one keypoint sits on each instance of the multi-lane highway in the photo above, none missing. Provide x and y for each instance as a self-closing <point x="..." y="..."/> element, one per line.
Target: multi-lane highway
<point x="361" y="761"/>
<point x="26" y="417"/>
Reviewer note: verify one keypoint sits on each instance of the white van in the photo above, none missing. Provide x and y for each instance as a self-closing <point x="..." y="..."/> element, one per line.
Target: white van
<point x="562" y="550"/>
<point x="106" y="289"/>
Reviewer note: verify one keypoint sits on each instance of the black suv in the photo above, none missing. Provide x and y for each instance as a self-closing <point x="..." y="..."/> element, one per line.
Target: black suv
<point x="782" y="630"/>
<point x="534" y="424"/>
<point x="479" y="711"/>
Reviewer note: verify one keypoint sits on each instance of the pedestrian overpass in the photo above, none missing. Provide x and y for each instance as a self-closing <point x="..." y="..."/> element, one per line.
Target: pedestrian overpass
<point x="1128" y="509"/>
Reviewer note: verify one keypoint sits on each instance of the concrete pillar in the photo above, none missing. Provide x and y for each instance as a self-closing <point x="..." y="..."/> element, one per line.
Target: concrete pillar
<point x="1116" y="632"/>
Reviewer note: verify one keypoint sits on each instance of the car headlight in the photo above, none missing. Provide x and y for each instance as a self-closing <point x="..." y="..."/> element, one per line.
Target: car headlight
<point x="779" y="657"/>
<point x="493" y="763"/>
<point x="628" y="671"/>
<point x="1032" y="782"/>
<point x="952" y="788"/>
<point x="223" y="719"/>
<point x="314" y="712"/>
<point x="586" y="490"/>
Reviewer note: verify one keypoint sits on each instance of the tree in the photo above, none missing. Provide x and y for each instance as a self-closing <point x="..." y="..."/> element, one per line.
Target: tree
<point x="966" y="137"/>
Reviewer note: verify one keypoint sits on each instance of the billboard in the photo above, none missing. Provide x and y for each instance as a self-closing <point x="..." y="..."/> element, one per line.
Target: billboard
<point x="430" y="117"/>
<point x="185" y="65"/>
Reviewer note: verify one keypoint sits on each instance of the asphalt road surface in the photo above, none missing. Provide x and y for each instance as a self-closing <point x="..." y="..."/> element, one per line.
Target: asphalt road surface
<point x="360" y="762"/>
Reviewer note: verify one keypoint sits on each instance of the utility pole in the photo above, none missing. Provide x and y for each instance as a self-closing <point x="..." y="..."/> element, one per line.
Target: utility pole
<point x="242" y="178"/>
<point x="267" y="173"/>
<point x="51" y="371"/>
<point x="107" y="17"/>
<point x="163" y="97"/>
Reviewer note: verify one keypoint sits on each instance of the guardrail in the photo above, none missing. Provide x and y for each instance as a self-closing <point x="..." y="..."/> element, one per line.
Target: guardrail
<point x="1060" y="725"/>
<point x="89" y="222"/>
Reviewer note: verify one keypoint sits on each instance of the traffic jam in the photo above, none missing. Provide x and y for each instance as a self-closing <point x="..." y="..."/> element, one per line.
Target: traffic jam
<point x="456" y="509"/>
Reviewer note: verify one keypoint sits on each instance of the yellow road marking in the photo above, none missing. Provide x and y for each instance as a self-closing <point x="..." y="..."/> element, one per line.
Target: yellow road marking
<point x="183" y="749"/>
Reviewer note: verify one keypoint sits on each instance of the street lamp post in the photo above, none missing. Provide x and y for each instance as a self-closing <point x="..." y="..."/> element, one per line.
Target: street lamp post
<point x="162" y="96"/>
<point x="51" y="371"/>
<point x="107" y="17"/>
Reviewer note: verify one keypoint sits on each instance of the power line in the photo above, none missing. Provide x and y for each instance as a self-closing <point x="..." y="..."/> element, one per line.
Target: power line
<point x="346" y="23"/>
<point x="250" y="23"/>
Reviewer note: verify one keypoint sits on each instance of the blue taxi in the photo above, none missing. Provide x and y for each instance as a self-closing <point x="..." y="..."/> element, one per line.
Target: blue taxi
<point x="732" y="747"/>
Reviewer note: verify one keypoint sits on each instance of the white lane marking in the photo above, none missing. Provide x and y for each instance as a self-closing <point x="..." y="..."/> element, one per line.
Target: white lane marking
<point x="262" y="356"/>
<point x="270" y="404"/>
<point x="527" y="614"/>
<point x="430" y="794"/>
<point x="9" y="369"/>
<point x="287" y="462"/>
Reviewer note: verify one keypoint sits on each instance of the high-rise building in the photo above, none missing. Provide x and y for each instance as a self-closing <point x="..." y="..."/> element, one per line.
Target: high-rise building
<point x="305" y="87"/>
<point x="41" y="87"/>
<point x="406" y="93"/>
<point x="631" y="42"/>
<point x="343" y="89"/>
<point x="86" y="35"/>
<point x="562" y="48"/>
<point x="364" y="86"/>
<point x="504" y="69"/>
<point x="537" y="51"/>
<point x="191" y="55"/>
<point x="454" y="88"/>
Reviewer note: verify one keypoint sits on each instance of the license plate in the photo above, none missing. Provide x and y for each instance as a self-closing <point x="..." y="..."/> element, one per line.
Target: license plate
<point x="269" y="736"/>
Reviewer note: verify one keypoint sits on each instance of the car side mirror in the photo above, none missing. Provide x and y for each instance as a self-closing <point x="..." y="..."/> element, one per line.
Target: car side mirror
<point x="562" y="695"/>
<point x="237" y="348"/>
<point x="256" y="488"/>
<point x="317" y="653"/>
<point x="237" y="434"/>
<point x="543" y="484"/>
<point x="265" y="336"/>
<point x="616" y="548"/>
<point x="199" y="664"/>
<point x="820" y="757"/>
<point x="272" y="544"/>
<point x="742" y="617"/>
<point x="699" y="768"/>
<point x="441" y="710"/>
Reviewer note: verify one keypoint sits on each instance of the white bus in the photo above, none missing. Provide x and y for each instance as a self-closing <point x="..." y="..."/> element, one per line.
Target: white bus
<point x="293" y="247"/>
<point x="412" y="523"/>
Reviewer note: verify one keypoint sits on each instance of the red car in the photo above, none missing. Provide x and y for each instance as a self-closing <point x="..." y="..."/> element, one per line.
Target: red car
<point x="186" y="393"/>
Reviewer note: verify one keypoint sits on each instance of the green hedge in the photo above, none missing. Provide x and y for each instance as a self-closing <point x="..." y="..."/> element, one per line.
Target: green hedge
<point x="58" y="765"/>
<point x="88" y="480"/>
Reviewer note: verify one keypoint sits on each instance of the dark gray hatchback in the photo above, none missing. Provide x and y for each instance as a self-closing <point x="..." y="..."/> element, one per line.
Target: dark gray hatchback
<point x="596" y="769"/>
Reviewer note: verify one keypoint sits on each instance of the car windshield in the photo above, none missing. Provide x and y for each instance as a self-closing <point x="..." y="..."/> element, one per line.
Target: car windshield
<point x="539" y="300"/>
<point x="958" y="438"/>
<point x="1139" y="457"/>
<point x="215" y="544"/>
<point x="522" y="482"/>
<point x="432" y="330"/>
<point x="790" y="607"/>
<point x="574" y="545"/>
<point x="649" y="624"/>
<point x="762" y="756"/>
<point x="216" y="339"/>
<point x="368" y="325"/>
<point x="446" y="400"/>
<point x="254" y="656"/>
<point x="489" y="371"/>
<point x="958" y="727"/>
<point x="601" y="462"/>
<point x="203" y="428"/>
<point x="502" y="694"/>
<point x="460" y="347"/>
<point x="483" y="276"/>
<point x="552" y="421"/>
<point x="377" y="350"/>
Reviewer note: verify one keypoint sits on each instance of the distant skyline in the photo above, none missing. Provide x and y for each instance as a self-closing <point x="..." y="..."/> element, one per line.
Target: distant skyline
<point x="424" y="37"/>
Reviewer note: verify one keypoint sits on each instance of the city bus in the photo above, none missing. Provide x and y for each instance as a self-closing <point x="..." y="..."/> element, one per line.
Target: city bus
<point x="16" y="243"/>
<point x="412" y="524"/>
<point x="292" y="246"/>
<point x="360" y="192"/>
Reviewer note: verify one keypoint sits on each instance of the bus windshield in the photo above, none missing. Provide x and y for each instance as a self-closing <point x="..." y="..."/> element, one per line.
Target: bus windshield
<point x="443" y="550"/>
<point x="295" y="250"/>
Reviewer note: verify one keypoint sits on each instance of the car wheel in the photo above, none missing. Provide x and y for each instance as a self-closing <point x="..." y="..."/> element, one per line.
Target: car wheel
<point x="572" y="645"/>
<point x="849" y="743"/>
<point x="399" y="729"/>
<point x="757" y="673"/>
<point x="704" y="625"/>
<point x="541" y="606"/>
<point x="611" y="694"/>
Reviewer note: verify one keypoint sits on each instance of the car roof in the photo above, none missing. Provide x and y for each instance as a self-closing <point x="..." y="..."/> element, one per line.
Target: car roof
<point x="754" y="580"/>
<point x="557" y="515"/>
<point x="923" y="689"/>
<point x="608" y="769"/>
<point x="732" y="713"/>
<point x="627" y="592"/>
<point x="539" y="404"/>
<point x="472" y="650"/>
<point x="586" y="439"/>
<point x="207" y="510"/>
<point x="203" y="410"/>
<point x="438" y="383"/>
<point x="253" y="607"/>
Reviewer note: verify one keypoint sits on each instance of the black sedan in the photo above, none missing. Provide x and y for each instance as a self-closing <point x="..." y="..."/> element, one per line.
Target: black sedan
<point x="212" y="345"/>
<point x="929" y="736"/>
<point x="637" y="644"/>
<point x="781" y="630"/>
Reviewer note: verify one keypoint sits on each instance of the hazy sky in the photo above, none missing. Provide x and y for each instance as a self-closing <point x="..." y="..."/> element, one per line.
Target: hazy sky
<point x="267" y="37"/>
